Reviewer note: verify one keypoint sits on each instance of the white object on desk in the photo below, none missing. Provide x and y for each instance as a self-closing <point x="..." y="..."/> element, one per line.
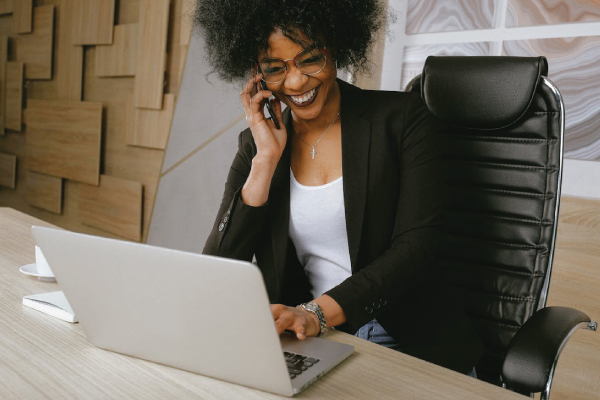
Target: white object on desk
<point x="53" y="303"/>
<point x="31" y="269"/>
<point x="42" y="265"/>
<point x="41" y="268"/>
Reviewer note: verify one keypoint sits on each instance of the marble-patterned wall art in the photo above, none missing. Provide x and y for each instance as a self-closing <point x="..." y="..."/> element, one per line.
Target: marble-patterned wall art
<point x="574" y="66"/>
<point x="425" y="16"/>
<point x="415" y="56"/>
<point x="545" y="12"/>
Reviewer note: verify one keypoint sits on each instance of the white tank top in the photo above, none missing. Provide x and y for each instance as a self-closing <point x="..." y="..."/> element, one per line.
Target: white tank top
<point x="318" y="231"/>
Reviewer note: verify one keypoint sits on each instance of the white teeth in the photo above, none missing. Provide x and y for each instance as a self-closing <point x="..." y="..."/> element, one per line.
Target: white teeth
<point x="305" y="97"/>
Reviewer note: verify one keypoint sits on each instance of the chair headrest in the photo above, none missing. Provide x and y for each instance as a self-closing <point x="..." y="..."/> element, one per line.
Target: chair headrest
<point x="480" y="92"/>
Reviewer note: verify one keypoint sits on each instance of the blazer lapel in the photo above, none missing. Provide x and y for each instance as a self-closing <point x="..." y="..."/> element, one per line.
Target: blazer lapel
<point x="356" y="140"/>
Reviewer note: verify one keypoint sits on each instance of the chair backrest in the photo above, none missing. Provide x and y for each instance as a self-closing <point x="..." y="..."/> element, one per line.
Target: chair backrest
<point x="503" y="125"/>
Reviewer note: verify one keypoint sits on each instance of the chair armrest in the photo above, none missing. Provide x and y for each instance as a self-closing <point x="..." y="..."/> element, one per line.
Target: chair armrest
<point x="533" y="352"/>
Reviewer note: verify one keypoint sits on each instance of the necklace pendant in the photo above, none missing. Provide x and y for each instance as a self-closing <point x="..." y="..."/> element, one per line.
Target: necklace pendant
<point x="313" y="152"/>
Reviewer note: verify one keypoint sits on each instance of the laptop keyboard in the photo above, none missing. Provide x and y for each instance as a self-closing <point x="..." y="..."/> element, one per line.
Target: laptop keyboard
<point x="298" y="363"/>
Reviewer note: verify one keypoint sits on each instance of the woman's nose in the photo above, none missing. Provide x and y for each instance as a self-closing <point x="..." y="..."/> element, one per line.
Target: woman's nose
<point x="294" y="79"/>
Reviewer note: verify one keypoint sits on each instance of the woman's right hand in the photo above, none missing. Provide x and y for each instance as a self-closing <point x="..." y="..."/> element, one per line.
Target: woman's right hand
<point x="269" y="140"/>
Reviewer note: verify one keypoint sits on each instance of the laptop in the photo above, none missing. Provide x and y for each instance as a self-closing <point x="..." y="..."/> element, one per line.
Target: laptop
<point x="203" y="314"/>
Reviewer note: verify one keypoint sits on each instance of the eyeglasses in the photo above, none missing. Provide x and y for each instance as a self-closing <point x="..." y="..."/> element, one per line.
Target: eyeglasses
<point x="309" y="62"/>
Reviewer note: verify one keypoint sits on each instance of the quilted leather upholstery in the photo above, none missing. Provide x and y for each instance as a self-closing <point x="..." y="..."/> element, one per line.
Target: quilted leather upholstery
<point x="502" y="133"/>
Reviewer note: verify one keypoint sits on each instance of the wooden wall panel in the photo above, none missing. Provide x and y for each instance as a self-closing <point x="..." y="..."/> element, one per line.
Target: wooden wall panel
<point x="150" y="128"/>
<point x="139" y="164"/>
<point x="35" y="49"/>
<point x="92" y="21"/>
<point x="119" y="58"/>
<point x="14" y="96"/>
<point x="63" y="139"/>
<point x="3" y="58"/>
<point x="8" y="170"/>
<point x="44" y="191"/>
<point x="114" y="206"/>
<point x="151" y="53"/>
<point x="23" y="15"/>
<point x="187" y="22"/>
<point x="6" y="7"/>
<point x="69" y="57"/>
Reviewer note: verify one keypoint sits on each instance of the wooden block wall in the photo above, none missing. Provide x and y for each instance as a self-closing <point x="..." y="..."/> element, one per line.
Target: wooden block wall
<point x="57" y="70"/>
<point x="3" y="61"/>
<point x="151" y="53"/>
<point x="69" y="65"/>
<point x="92" y="21"/>
<point x="114" y="206"/>
<point x="6" y="7"/>
<point x="14" y="96"/>
<point x="23" y="10"/>
<point x="8" y="170"/>
<point x="63" y="139"/>
<point x="118" y="59"/>
<point x="44" y="192"/>
<point x="35" y="49"/>
<point x="150" y="128"/>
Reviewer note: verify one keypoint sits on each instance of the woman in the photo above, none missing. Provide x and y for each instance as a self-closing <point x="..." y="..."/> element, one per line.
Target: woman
<point x="337" y="197"/>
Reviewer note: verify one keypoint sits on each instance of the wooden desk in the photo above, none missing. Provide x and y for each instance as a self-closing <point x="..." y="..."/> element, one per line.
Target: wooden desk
<point x="43" y="357"/>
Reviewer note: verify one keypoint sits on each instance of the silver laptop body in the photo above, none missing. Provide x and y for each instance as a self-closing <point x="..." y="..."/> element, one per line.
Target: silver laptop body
<point x="203" y="314"/>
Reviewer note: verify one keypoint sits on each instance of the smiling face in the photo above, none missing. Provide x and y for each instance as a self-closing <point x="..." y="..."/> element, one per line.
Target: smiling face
<point x="310" y="97"/>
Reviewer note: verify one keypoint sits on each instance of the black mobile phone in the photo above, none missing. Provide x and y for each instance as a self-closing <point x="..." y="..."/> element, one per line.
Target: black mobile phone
<point x="263" y="86"/>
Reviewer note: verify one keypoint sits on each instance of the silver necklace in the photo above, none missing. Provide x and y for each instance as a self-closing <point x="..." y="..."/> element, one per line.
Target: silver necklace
<point x="313" y="152"/>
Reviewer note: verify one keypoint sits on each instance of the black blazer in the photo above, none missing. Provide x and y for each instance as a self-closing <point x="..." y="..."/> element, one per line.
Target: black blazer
<point x="392" y="195"/>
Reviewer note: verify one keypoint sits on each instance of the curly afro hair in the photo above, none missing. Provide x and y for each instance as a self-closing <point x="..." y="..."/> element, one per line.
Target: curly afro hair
<point x="235" y="31"/>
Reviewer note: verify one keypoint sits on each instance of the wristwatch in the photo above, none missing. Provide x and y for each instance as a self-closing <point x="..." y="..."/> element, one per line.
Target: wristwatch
<point x="316" y="309"/>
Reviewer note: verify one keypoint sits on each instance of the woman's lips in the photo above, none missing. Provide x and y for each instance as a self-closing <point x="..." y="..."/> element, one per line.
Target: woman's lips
<point x="306" y="98"/>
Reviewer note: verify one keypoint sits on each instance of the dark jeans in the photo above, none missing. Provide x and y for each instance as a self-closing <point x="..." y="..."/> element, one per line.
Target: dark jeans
<point x="373" y="332"/>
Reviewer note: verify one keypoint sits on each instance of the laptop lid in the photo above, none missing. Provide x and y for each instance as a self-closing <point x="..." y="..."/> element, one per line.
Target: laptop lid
<point x="204" y="314"/>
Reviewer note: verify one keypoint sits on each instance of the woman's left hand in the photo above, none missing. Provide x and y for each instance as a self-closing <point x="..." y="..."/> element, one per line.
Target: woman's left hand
<point x="303" y="323"/>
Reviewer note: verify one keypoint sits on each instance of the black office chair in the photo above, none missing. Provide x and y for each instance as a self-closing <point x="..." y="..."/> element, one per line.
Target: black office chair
<point x="503" y="125"/>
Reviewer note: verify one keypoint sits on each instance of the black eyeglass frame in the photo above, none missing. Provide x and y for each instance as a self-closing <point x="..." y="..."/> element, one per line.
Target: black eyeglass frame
<point x="295" y="63"/>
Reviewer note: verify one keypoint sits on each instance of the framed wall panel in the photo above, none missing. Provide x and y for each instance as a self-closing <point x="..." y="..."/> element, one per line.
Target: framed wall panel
<point x="150" y="128"/>
<point x="544" y="12"/>
<point x="119" y="58"/>
<point x="8" y="170"/>
<point x="427" y="16"/>
<point x="69" y="66"/>
<point x="23" y="14"/>
<point x="574" y="66"/>
<point x="115" y="206"/>
<point x="14" y="96"/>
<point x="63" y="139"/>
<point x="151" y="54"/>
<point x="44" y="191"/>
<point x="415" y="56"/>
<point x="3" y="58"/>
<point x="92" y="21"/>
<point x="35" y="49"/>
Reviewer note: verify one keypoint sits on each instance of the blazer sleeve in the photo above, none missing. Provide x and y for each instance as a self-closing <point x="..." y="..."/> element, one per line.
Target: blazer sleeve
<point x="237" y="226"/>
<point x="410" y="258"/>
